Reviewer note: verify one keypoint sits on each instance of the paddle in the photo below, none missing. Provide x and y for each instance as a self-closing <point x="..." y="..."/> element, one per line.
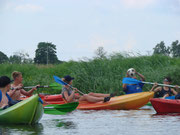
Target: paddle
<point x="60" y="109"/>
<point x="58" y="80"/>
<point x="54" y="86"/>
<point x="128" y="80"/>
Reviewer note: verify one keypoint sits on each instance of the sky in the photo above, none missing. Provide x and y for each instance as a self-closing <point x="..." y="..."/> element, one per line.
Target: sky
<point x="79" y="27"/>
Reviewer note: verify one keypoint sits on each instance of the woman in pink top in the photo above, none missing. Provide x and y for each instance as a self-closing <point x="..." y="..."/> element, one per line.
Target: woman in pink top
<point x="16" y="88"/>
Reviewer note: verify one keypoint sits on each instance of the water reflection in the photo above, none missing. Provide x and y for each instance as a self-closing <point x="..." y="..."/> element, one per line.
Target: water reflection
<point x="21" y="129"/>
<point x="65" y="124"/>
<point x="165" y="114"/>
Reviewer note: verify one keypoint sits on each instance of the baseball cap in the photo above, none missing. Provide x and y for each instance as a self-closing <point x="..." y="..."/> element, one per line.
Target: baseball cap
<point x="68" y="78"/>
<point x="4" y="81"/>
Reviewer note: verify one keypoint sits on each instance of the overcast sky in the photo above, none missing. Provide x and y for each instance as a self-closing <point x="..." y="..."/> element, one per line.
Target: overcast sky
<point x="79" y="27"/>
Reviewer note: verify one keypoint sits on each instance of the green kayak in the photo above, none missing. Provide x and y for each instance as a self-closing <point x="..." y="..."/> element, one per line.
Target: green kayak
<point x="28" y="111"/>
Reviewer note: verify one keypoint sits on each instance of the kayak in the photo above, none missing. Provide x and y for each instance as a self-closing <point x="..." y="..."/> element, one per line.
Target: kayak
<point x="123" y="102"/>
<point x="28" y="111"/>
<point x="51" y="97"/>
<point x="57" y="97"/>
<point x="60" y="109"/>
<point x="165" y="105"/>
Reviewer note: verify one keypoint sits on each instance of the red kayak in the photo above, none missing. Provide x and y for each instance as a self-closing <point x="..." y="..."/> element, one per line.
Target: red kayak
<point x="165" y="105"/>
<point x="50" y="98"/>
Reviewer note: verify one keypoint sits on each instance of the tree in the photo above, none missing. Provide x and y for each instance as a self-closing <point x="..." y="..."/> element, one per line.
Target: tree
<point x="175" y="49"/>
<point x="15" y="59"/>
<point x="161" y="49"/>
<point x="3" y="58"/>
<point x="100" y="53"/>
<point x="46" y="54"/>
<point x="20" y="58"/>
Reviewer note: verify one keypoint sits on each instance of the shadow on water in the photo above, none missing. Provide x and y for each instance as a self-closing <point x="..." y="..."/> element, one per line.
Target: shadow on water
<point x="65" y="124"/>
<point x="165" y="114"/>
<point x="21" y="129"/>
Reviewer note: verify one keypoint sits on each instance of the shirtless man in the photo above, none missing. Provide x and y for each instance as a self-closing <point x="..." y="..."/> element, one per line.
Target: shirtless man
<point x="16" y="88"/>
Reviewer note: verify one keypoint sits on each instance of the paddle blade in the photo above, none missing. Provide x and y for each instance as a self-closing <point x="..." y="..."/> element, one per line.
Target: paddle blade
<point x="128" y="80"/>
<point x="55" y="86"/>
<point x="58" y="80"/>
<point x="68" y="107"/>
<point x="53" y="111"/>
<point x="61" y="109"/>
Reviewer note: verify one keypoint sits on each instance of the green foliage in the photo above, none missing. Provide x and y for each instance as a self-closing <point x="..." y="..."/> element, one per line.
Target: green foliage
<point x="3" y="58"/>
<point x="161" y="49"/>
<point x="99" y="75"/>
<point x="175" y="49"/>
<point x="15" y="59"/>
<point x="46" y="54"/>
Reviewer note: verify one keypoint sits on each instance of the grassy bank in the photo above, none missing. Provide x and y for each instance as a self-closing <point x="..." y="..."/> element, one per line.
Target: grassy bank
<point x="99" y="75"/>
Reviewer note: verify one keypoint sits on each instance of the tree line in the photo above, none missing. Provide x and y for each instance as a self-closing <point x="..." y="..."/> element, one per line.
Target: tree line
<point x="173" y="50"/>
<point x="44" y="54"/>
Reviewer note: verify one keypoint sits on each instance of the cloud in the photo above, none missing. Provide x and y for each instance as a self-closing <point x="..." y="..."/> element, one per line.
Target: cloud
<point x="138" y="3"/>
<point x="18" y="7"/>
<point x="28" y="8"/>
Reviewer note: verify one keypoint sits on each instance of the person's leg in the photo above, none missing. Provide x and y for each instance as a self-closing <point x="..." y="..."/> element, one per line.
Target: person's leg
<point x="98" y="94"/>
<point x="93" y="99"/>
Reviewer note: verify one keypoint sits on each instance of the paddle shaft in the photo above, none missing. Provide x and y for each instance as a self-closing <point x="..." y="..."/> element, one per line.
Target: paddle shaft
<point x="128" y="80"/>
<point x="30" y="87"/>
<point x="77" y="89"/>
<point x="160" y="84"/>
<point x="58" y="80"/>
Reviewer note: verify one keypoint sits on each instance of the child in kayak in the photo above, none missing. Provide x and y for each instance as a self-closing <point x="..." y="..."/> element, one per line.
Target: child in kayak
<point x="164" y="91"/>
<point x="68" y="93"/>
<point x="133" y="88"/>
<point x="16" y="88"/>
<point x="5" y="85"/>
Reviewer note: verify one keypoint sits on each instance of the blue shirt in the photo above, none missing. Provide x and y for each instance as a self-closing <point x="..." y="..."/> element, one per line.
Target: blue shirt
<point x="135" y="88"/>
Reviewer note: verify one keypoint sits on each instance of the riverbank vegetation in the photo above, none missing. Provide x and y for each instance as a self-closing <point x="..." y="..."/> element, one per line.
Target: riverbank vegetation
<point x="100" y="74"/>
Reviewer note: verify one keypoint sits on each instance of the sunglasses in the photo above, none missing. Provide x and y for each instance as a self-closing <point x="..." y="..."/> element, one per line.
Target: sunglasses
<point x="166" y="80"/>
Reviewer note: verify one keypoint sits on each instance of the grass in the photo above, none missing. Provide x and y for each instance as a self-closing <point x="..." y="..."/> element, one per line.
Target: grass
<point x="99" y="75"/>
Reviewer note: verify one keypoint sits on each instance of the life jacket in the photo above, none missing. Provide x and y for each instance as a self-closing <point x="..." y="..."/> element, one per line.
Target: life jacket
<point x="135" y="88"/>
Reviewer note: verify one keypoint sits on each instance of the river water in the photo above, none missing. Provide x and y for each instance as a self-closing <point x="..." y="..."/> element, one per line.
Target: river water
<point x="144" y="121"/>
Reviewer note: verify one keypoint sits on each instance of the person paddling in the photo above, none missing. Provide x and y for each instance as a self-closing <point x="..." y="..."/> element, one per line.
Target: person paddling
<point x="5" y="85"/>
<point x="164" y="91"/>
<point x="16" y="88"/>
<point x="68" y="93"/>
<point x="133" y="88"/>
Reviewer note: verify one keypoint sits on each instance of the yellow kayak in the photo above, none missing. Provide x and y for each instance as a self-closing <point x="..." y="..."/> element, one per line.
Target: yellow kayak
<point x="124" y="102"/>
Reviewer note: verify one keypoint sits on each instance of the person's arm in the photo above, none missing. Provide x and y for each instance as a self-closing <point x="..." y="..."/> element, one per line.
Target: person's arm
<point x="166" y="95"/>
<point x="141" y="76"/>
<point x="174" y="92"/>
<point x="124" y="87"/>
<point x="67" y="97"/>
<point x="28" y="93"/>
<point x="155" y="89"/>
<point x="13" y="91"/>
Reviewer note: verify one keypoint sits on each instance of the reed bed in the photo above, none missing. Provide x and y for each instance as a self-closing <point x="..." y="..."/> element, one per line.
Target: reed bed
<point x="99" y="74"/>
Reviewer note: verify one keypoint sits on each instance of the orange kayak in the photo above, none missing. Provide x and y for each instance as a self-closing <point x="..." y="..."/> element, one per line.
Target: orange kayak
<point x="124" y="102"/>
